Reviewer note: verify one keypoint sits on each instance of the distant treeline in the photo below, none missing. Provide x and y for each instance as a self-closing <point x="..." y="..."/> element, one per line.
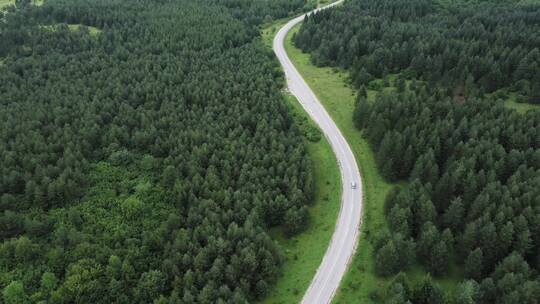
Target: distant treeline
<point x="466" y="48"/>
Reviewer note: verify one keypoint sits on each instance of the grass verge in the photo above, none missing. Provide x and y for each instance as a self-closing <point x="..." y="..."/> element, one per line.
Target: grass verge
<point x="304" y="252"/>
<point x="339" y="98"/>
<point x="268" y="31"/>
<point x="360" y="284"/>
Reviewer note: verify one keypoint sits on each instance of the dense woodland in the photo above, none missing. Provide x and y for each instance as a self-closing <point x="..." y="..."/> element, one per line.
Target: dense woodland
<point x="145" y="153"/>
<point x="255" y="12"/>
<point x="469" y="49"/>
<point x="472" y="165"/>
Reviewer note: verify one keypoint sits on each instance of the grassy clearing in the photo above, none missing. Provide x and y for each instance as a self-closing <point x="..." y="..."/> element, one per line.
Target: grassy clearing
<point x="304" y="252"/>
<point x="514" y="101"/>
<point x="92" y="30"/>
<point x="325" y="2"/>
<point x="360" y="284"/>
<point x="73" y="27"/>
<point x="520" y="107"/>
<point x="6" y="2"/>
<point x="10" y="2"/>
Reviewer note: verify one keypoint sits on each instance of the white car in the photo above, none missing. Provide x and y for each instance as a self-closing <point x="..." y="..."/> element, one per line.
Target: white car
<point x="353" y="185"/>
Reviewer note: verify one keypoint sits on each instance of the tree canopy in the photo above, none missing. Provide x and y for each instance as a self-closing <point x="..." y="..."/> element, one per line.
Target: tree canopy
<point x="458" y="44"/>
<point x="472" y="165"/>
<point x="144" y="161"/>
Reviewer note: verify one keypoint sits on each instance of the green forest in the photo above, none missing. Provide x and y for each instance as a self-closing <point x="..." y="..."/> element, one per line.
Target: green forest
<point x="466" y="168"/>
<point x="145" y="151"/>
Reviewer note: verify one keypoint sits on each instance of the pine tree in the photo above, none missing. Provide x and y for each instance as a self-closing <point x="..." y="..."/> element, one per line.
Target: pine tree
<point x="391" y="199"/>
<point x="474" y="264"/>
<point x="428" y="239"/>
<point x="438" y="259"/>
<point x="399" y="220"/>
<point x="400" y="85"/>
<point x="361" y="113"/>
<point x="428" y="292"/>
<point x="14" y="294"/>
<point x="467" y="292"/>
<point x="454" y="215"/>
<point x="387" y="259"/>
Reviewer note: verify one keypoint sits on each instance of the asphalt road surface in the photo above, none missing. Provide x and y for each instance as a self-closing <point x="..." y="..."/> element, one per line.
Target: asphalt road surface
<point x="345" y="238"/>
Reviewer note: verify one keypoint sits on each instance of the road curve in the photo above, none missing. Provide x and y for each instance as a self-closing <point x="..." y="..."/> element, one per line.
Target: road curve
<point x="345" y="237"/>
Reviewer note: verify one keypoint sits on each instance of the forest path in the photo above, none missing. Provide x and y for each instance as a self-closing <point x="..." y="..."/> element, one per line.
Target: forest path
<point x="345" y="238"/>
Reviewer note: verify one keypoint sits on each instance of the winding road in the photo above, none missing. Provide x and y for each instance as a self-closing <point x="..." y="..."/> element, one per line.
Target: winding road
<point x="345" y="237"/>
